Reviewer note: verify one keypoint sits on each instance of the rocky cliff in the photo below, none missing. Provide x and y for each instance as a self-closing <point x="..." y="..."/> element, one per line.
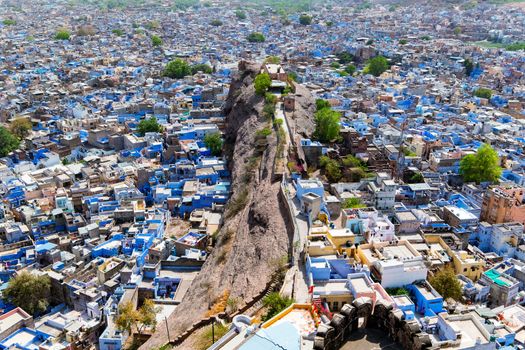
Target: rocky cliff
<point x="301" y="120"/>
<point x="254" y="237"/>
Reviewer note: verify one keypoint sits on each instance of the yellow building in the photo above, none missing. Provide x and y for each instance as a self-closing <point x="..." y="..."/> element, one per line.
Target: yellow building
<point x="463" y="263"/>
<point x="331" y="242"/>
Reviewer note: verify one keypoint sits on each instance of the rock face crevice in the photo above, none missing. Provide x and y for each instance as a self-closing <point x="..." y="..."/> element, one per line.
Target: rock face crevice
<point x="255" y="236"/>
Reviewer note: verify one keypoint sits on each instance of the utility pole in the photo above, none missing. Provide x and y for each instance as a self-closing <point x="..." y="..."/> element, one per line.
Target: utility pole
<point x="167" y="329"/>
<point x="213" y="331"/>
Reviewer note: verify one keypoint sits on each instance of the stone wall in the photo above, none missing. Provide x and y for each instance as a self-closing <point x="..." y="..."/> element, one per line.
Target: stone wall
<point x="359" y="315"/>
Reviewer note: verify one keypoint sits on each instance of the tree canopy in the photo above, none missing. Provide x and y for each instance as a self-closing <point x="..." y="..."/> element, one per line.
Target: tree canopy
<point x="8" y="22"/>
<point x="256" y="37"/>
<point x="156" y="40"/>
<point x="216" y="23"/>
<point x="320" y="104"/>
<point x="29" y="291"/>
<point x="118" y="32"/>
<point x="62" y="34"/>
<point x="446" y="284"/>
<point x="240" y="14"/>
<point x="177" y="69"/>
<point x="483" y="93"/>
<point x="377" y="66"/>
<point x="129" y="319"/>
<point x="332" y="169"/>
<point x="326" y="125"/>
<point x="353" y="203"/>
<point x="305" y="20"/>
<point x="8" y="142"/>
<point x="482" y="166"/>
<point x="21" y="127"/>
<point x="148" y="125"/>
<point x="262" y="83"/>
<point x="214" y="143"/>
<point x="469" y="66"/>
<point x="201" y="68"/>
<point x="275" y="304"/>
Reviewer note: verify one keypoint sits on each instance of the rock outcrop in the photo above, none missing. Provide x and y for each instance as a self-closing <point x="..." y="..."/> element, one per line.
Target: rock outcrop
<point x="302" y="121"/>
<point x="254" y="237"/>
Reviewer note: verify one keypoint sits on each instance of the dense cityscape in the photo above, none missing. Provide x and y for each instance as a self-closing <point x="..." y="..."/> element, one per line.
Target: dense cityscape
<point x="262" y="174"/>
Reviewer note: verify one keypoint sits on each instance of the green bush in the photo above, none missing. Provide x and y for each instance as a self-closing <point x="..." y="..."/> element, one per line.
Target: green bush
<point x="156" y="41"/>
<point x="216" y="23"/>
<point x="240" y="14"/>
<point x="8" y="22"/>
<point x="483" y="93"/>
<point x="62" y="34"/>
<point x="305" y="20"/>
<point x="275" y="304"/>
<point x="201" y="68"/>
<point x="256" y="37"/>
<point x="118" y="32"/>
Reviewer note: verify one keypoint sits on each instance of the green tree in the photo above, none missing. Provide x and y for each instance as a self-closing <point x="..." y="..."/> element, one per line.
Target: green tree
<point x="148" y="125"/>
<point x="397" y="291"/>
<point x="240" y="14"/>
<point x="417" y="178"/>
<point x="216" y="23"/>
<point x="403" y="42"/>
<point x="256" y="37"/>
<point x="177" y="69"/>
<point x="21" y="127"/>
<point x="8" y="22"/>
<point x="118" y="32"/>
<point x="344" y="57"/>
<point x="214" y="143"/>
<point x="377" y="66"/>
<point x="353" y="203"/>
<point x="62" y="34"/>
<point x="29" y="291"/>
<point x="457" y="30"/>
<point x="201" y="68"/>
<point x="131" y="320"/>
<point x="446" y="284"/>
<point x="483" y="93"/>
<point x="321" y="104"/>
<point x="482" y="166"/>
<point x="305" y="20"/>
<point x="275" y="303"/>
<point x="8" y="142"/>
<point x="469" y="66"/>
<point x="326" y="125"/>
<point x="350" y="69"/>
<point x="156" y="40"/>
<point x="262" y="83"/>
<point x="332" y="170"/>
